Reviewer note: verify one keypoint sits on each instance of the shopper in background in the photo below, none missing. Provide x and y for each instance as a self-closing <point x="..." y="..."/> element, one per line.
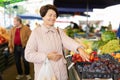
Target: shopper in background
<point x="45" y="42"/>
<point x="74" y="25"/>
<point x="19" y="35"/>
<point x="28" y="25"/>
<point x="118" y="32"/>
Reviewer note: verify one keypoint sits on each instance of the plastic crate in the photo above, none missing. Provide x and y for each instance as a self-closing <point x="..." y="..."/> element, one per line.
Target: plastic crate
<point x="91" y="75"/>
<point x="78" y="35"/>
<point x="116" y="76"/>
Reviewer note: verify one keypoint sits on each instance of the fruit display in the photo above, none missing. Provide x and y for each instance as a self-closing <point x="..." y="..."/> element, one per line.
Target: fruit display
<point x="96" y="44"/>
<point x="4" y="35"/>
<point x="77" y="58"/>
<point x="106" y="67"/>
<point x="108" y="35"/>
<point x="116" y="56"/>
<point x="110" y="47"/>
<point x="107" y="44"/>
<point x="2" y="40"/>
<point x="93" y="56"/>
<point x="87" y="44"/>
<point x="71" y="32"/>
<point x="104" y="58"/>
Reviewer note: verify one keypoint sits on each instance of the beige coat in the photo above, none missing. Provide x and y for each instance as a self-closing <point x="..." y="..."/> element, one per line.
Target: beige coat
<point x="44" y="40"/>
<point x="24" y="35"/>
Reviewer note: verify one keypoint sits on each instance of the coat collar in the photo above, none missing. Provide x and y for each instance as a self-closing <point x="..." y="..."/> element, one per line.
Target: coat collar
<point x="47" y="30"/>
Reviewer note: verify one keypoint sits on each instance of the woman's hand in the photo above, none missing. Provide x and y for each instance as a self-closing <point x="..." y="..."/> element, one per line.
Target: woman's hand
<point x="83" y="54"/>
<point x="54" y="56"/>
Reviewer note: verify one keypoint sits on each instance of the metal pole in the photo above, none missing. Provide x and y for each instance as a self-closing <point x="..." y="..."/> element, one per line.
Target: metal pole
<point x="87" y="25"/>
<point x="4" y="15"/>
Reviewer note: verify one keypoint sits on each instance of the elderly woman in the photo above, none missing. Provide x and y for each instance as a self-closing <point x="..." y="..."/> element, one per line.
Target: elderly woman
<point x="45" y="42"/>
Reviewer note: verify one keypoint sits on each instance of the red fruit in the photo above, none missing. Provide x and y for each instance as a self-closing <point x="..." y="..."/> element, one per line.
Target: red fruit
<point x="0" y="42"/>
<point x="96" y="59"/>
<point x="94" y="52"/>
<point x="76" y="58"/>
<point x="113" y="54"/>
<point x="91" y="57"/>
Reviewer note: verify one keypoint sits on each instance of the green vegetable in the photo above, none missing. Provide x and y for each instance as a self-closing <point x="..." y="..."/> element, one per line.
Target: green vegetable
<point x="97" y="44"/>
<point x="108" y="35"/>
<point x="70" y="32"/>
<point x="111" y="46"/>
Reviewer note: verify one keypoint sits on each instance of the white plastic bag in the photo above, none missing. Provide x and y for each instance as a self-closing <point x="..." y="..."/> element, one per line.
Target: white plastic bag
<point x="46" y="72"/>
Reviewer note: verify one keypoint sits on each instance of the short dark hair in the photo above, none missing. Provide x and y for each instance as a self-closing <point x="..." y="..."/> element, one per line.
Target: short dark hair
<point x="45" y="8"/>
<point x="18" y="19"/>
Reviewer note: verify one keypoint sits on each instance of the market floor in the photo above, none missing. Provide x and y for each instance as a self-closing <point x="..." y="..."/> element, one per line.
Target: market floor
<point x="10" y="73"/>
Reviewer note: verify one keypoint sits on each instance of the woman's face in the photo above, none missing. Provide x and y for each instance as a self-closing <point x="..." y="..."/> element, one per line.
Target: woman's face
<point x="50" y="17"/>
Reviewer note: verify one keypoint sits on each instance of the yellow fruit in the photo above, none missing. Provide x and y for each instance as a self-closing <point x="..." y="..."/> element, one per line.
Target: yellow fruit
<point x="117" y="55"/>
<point x="88" y="51"/>
<point x="71" y="53"/>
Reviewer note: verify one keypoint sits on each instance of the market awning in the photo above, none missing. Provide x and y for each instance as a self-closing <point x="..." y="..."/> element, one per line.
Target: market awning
<point x="7" y="2"/>
<point x="29" y="16"/>
<point x="82" y="5"/>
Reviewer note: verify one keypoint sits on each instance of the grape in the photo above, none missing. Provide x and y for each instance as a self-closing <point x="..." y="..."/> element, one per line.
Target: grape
<point x="102" y="68"/>
<point x="111" y="46"/>
<point x="79" y="68"/>
<point x="91" y="70"/>
<point x="98" y="70"/>
<point x="116" y="71"/>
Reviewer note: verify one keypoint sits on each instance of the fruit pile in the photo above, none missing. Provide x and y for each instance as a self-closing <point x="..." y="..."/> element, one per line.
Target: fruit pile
<point x="77" y="58"/>
<point x="110" y="47"/>
<point x="2" y="40"/>
<point x="106" y="64"/>
<point x="116" y="56"/>
<point x="4" y="35"/>
<point x="87" y="44"/>
<point x="108" y="35"/>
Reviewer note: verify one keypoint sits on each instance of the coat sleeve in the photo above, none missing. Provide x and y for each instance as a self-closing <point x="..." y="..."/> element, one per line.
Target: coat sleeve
<point x="28" y="32"/>
<point x="10" y="44"/>
<point x="10" y="38"/>
<point x="68" y="42"/>
<point x="31" y="50"/>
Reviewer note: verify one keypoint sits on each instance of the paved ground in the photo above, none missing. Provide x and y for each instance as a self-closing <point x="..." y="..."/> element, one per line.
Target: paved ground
<point x="10" y="73"/>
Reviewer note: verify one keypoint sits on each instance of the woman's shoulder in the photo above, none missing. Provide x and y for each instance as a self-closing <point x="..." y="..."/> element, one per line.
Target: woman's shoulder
<point x="37" y="28"/>
<point x="60" y="29"/>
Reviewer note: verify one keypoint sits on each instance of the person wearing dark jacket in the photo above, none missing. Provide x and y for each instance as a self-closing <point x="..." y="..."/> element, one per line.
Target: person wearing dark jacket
<point x="19" y="35"/>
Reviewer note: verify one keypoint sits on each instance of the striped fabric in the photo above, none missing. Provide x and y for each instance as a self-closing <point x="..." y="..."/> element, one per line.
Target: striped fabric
<point x="43" y="41"/>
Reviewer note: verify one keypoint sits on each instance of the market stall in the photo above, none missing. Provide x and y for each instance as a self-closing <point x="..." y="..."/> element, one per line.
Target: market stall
<point x="5" y="58"/>
<point x="104" y="54"/>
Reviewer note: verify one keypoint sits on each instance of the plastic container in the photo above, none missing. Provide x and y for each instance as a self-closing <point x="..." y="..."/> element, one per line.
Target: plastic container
<point x="92" y="75"/>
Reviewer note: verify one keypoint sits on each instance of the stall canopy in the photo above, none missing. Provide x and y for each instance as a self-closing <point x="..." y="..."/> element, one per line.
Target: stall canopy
<point x="65" y="6"/>
<point x="30" y="16"/>
<point x="7" y="2"/>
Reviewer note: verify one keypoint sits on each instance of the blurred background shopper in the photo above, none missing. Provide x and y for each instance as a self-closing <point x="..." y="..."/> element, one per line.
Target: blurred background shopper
<point x="19" y="35"/>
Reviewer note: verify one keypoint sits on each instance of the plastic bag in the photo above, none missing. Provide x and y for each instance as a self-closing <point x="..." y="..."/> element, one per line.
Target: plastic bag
<point x="6" y="52"/>
<point x="46" y="72"/>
